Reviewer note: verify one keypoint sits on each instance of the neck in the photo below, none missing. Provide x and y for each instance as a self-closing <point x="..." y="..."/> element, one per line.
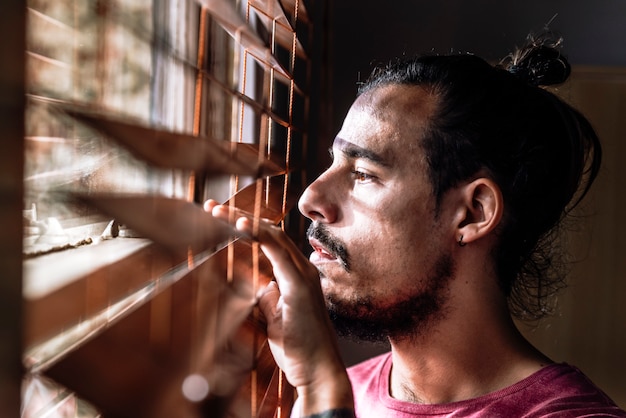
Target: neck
<point x="469" y="353"/>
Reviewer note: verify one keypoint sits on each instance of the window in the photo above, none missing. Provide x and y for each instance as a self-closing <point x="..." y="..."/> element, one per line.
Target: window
<point x="103" y="290"/>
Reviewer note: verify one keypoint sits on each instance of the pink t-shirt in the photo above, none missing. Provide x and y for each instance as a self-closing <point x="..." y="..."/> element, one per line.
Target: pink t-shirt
<point x="557" y="390"/>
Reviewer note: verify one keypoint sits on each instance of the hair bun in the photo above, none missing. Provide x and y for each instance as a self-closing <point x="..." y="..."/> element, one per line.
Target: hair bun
<point x="539" y="62"/>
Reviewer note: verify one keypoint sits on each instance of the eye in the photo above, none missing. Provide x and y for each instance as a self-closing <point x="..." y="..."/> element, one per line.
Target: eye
<point x="362" y="177"/>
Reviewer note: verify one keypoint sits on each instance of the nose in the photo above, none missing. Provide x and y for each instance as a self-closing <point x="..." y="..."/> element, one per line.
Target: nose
<point x="316" y="203"/>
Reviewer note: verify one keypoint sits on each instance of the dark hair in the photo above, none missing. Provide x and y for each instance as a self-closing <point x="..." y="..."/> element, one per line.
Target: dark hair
<point x="542" y="153"/>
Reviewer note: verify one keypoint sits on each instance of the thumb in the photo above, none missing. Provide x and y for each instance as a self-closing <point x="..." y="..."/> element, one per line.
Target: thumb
<point x="270" y="303"/>
<point x="269" y="299"/>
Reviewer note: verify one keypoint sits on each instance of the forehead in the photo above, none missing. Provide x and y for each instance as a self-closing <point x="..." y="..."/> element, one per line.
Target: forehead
<point x="389" y="120"/>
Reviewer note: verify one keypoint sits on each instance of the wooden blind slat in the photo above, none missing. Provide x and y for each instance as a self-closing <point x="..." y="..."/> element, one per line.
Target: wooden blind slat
<point x="273" y="10"/>
<point x="225" y="13"/>
<point x="175" y="224"/>
<point x="177" y="150"/>
<point x="273" y="17"/>
<point x="149" y="374"/>
<point x="254" y="104"/>
<point x="273" y="207"/>
<point x="296" y="7"/>
<point x="156" y="313"/>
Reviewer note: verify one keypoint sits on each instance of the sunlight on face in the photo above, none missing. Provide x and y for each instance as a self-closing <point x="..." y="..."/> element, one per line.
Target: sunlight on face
<point x="375" y="204"/>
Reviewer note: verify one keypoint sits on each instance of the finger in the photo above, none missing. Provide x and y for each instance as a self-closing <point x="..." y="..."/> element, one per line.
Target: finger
<point x="276" y="245"/>
<point x="270" y="304"/>
<point x="210" y="204"/>
<point x="229" y="212"/>
<point x="291" y="267"/>
<point x="297" y="279"/>
<point x="268" y="300"/>
<point x="257" y="229"/>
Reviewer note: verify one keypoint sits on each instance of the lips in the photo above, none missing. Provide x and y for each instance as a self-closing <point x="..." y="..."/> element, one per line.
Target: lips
<point x="327" y="248"/>
<point x="320" y="253"/>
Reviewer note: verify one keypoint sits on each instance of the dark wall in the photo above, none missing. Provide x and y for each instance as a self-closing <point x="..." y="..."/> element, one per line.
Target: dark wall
<point x="368" y="31"/>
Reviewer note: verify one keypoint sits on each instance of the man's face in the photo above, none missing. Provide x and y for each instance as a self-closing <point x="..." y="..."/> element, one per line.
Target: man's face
<point x="377" y="241"/>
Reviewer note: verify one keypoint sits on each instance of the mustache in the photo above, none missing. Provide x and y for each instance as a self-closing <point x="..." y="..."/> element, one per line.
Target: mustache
<point x="333" y="245"/>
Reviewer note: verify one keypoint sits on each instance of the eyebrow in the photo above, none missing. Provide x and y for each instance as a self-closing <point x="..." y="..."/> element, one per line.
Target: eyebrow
<point x="354" y="151"/>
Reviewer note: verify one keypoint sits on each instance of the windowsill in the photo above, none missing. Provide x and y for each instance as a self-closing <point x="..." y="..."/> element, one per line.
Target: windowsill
<point x="63" y="289"/>
<point x="48" y="273"/>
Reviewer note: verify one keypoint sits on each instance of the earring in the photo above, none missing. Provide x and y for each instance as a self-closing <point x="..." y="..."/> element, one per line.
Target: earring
<point x="461" y="243"/>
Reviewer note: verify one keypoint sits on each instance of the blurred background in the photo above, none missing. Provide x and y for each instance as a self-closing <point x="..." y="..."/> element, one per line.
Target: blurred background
<point x="364" y="33"/>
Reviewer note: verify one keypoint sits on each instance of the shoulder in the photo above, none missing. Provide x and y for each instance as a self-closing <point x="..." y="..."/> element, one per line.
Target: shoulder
<point x="563" y="390"/>
<point x="370" y="378"/>
<point x="369" y="381"/>
<point x="369" y="369"/>
<point x="565" y="379"/>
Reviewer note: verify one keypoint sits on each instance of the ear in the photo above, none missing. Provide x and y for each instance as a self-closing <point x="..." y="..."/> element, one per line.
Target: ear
<point x="480" y="210"/>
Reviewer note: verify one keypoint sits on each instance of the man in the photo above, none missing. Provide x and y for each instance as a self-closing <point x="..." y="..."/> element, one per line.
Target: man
<point x="431" y="228"/>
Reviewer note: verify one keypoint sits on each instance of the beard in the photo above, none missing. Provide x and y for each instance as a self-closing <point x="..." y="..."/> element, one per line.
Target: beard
<point x="367" y="319"/>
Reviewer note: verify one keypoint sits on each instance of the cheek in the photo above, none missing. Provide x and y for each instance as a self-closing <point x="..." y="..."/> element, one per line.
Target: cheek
<point x="399" y="237"/>
<point x="385" y="248"/>
<point x="406" y="222"/>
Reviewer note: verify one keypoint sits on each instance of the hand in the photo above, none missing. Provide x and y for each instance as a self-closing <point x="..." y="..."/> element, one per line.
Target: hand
<point x="299" y="330"/>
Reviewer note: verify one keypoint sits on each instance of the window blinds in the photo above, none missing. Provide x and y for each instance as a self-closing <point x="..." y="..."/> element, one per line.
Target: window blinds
<point x="137" y="111"/>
